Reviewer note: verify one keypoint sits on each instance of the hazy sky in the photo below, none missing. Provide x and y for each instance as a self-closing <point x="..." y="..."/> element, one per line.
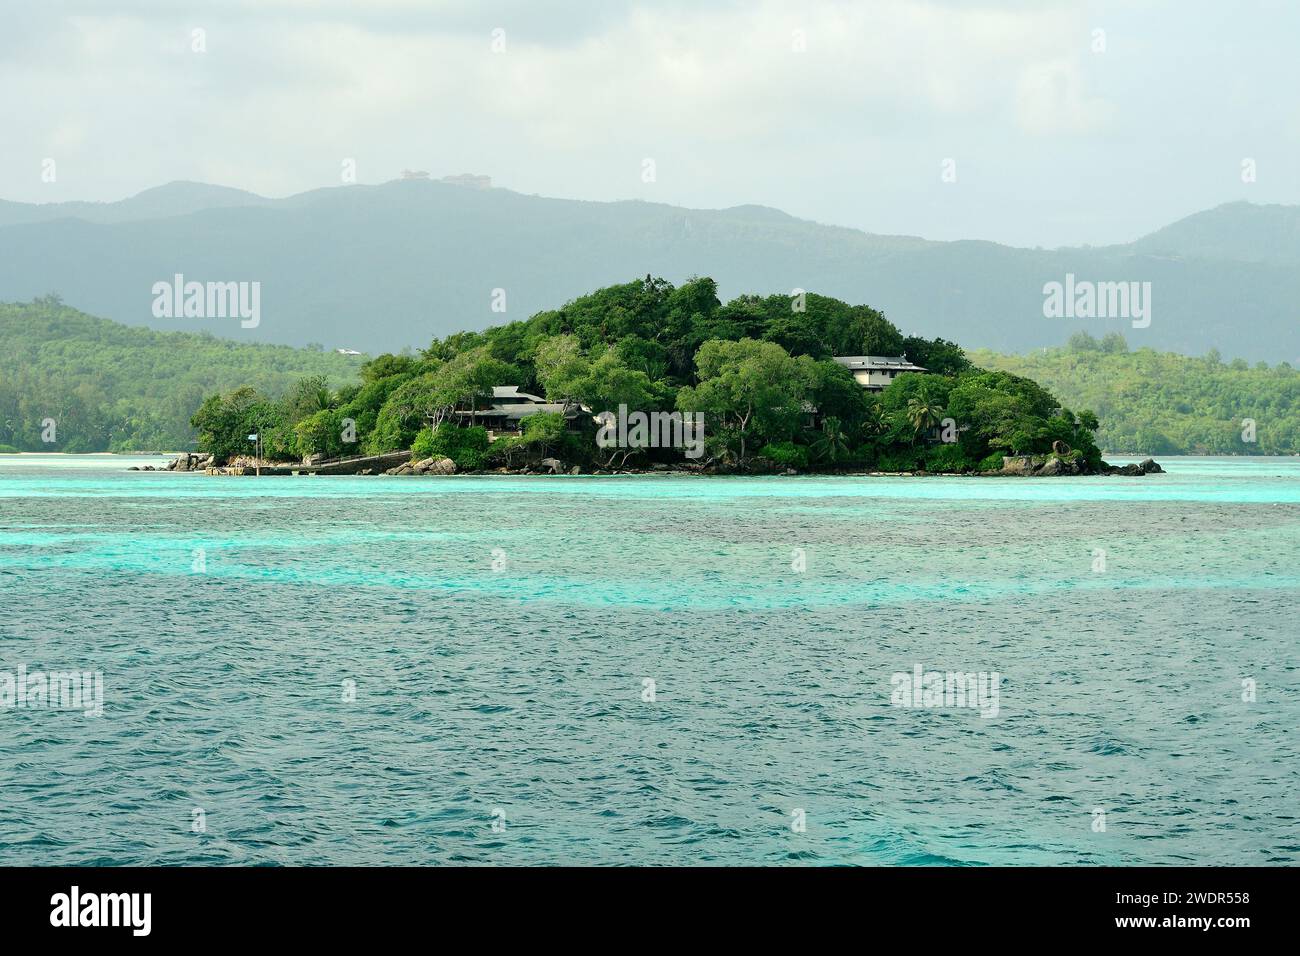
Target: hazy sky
<point x="1053" y="142"/>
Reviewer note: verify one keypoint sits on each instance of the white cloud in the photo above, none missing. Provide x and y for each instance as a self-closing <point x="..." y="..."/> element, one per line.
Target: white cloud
<point x="852" y="130"/>
<point x="1052" y="99"/>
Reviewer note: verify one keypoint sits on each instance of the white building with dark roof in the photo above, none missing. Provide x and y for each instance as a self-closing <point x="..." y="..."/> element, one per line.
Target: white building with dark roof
<point x="875" y="372"/>
<point x="509" y="407"/>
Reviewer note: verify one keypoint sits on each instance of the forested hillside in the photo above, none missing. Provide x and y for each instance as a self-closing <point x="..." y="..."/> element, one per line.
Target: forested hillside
<point x="121" y="388"/>
<point x="111" y="387"/>
<point x="1163" y="403"/>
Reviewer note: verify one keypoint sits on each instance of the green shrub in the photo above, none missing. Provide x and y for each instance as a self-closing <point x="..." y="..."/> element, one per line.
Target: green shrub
<point x="576" y="448"/>
<point x="391" y="432"/>
<point x="786" y="454"/>
<point x="467" y="447"/>
<point x="543" y="435"/>
<point x="898" y="461"/>
<point x="319" y="434"/>
<point x="422" y="445"/>
<point x="946" y="458"/>
<point x="504" y="448"/>
<point x="8" y="450"/>
<point x="992" y="463"/>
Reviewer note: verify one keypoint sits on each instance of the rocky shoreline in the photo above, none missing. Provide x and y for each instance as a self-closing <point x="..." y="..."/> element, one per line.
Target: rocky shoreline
<point x="1024" y="466"/>
<point x="185" y="461"/>
<point x="1048" y="466"/>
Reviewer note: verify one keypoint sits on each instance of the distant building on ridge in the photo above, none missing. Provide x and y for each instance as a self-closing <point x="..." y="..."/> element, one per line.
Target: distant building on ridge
<point x="471" y="180"/>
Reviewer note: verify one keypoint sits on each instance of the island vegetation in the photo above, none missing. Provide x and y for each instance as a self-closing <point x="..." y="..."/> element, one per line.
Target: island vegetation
<point x="112" y="387"/>
<point x="759" y="369"/>
<point x="1163" y="403"/>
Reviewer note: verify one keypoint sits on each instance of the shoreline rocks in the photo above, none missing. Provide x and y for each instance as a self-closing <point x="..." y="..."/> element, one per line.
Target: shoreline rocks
<point x="1147" y="466"/>
<point x="190" y="461"/>
<point x="425" y="466"/>
<point x="1039" y="466"/>
<point x="1036" y="466"/>
<point x="1051" y="466"/>
<point x="1019" y="464"/>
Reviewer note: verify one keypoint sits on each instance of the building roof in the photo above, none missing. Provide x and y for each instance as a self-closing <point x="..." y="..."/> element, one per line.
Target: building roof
<point x="510" y="403"/>
<point x="874" y="363"/>
<point x="508" y="392"/>
<point x="513" y="411"/>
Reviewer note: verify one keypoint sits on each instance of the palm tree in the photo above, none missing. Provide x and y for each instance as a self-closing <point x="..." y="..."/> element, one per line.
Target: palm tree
<point x="923" y="413"/>
<point x="876" y="421"/>
<point x="832" y="444"/>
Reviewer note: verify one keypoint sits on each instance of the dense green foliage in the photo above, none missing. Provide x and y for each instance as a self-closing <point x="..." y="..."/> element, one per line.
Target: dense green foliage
<point x="120" y="388"/>
<point x="467" y="447"/>
<point x="785" y="454"/>
<point x="1164" y="403"/>
<point x="542" y="435"/>
<point x="758" y="369"/>
<point x="112" y="387"/>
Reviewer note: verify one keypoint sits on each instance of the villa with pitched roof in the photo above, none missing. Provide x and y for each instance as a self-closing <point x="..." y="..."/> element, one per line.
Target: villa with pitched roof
<point x="876" y="372"/>
<point x="509" y="407"/>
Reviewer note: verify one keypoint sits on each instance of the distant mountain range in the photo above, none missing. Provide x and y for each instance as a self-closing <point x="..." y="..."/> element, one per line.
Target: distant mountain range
<point x="382" y="267"/>
<point x="161" y="202"/>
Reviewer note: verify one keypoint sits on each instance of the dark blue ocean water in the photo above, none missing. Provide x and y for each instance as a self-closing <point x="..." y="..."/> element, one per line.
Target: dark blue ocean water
<point x="498" y="634"/>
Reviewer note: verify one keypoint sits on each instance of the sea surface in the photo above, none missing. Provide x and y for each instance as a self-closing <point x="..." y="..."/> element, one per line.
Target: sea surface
<point x="651" y="670"/>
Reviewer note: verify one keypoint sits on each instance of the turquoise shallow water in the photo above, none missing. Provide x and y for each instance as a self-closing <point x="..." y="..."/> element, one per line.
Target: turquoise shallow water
<point x="498" y="632"/>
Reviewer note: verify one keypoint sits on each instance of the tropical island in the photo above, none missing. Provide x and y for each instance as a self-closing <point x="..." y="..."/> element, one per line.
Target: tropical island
<point x="126" y="389"/>
<point x="778" y="383"/>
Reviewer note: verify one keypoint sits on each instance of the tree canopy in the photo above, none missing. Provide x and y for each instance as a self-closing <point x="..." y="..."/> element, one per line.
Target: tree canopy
<point x="758" y="369"/>
<point x="1155" y="403"/>
<point x="113" y="387"/>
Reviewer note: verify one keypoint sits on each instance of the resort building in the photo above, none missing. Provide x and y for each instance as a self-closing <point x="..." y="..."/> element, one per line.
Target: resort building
<point x="509" y="407"/>
<point x="875" y="372"/>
